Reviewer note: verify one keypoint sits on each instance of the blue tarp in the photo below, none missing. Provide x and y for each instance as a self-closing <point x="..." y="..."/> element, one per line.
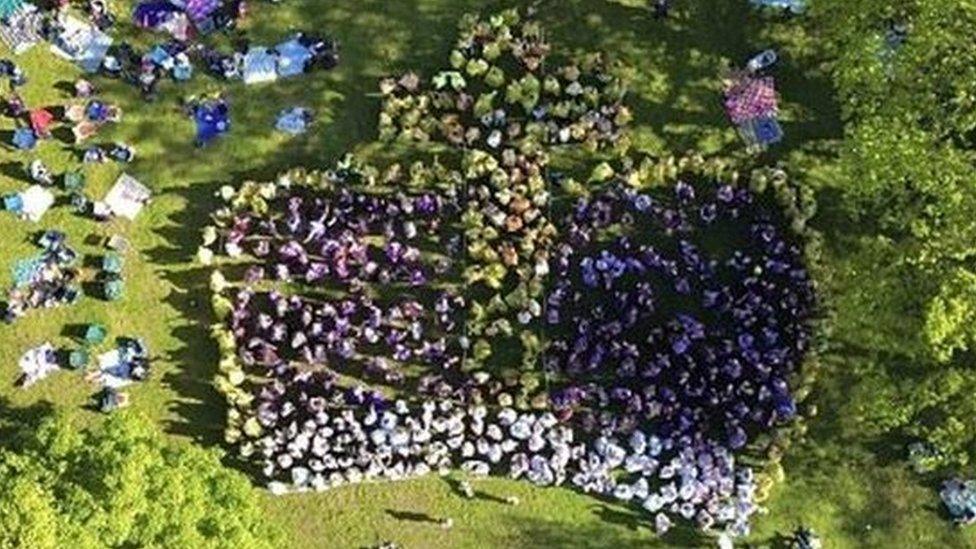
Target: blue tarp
<point x="212" y="119"/>
<point x="292" y="58"/>
<point x="293" y="121"/>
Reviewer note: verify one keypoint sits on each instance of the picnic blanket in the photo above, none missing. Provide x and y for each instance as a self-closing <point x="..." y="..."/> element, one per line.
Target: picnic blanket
<point x="21" y="29"/>
<point x="260" y="65"/>
<point x="751" y="97"/>
<point x="82" y="43"/>
<point x="292" y="58"/>
<point x="25" y="271"/>
<point x="36" y="202"/>
<point x="38" y="363"/>
<point x="127" y="197"/>
<point x="293" y="121"/>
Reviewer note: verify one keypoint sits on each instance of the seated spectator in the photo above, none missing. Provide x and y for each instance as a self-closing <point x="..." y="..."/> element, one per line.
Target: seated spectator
<point x="40" y="174"/>
<point x="15" y="106"/>
<point x="84" y="88"/>
<point x="123" y="153"/>
<point x="94" y="155"/>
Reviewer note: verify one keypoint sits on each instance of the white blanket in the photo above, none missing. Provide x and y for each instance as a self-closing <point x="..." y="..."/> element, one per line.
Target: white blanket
<point x="37" y="201"/>
<point x="82" y="43"/>
<point x="127" y="197"/>
<point x="35" y="364"/>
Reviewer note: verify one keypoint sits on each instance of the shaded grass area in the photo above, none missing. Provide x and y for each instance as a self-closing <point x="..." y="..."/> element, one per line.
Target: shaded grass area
<point x="854" y="489"/>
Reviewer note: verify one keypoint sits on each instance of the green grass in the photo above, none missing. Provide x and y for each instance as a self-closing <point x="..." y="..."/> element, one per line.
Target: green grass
<point x="855" y="490"/>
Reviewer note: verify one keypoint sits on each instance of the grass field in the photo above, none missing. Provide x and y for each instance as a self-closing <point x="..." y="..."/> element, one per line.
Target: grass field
<point x="854" y="490"/>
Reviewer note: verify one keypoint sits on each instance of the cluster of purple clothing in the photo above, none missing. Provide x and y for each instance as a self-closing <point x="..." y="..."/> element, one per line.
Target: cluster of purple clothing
<point x="668" y="330"/>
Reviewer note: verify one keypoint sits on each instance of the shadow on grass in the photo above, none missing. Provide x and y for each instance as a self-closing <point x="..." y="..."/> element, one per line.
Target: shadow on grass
<point x="410" y="516"/>
<point x="540" y="532"/>
<point x="15" y="171"/>
<point x="15" y="420"/>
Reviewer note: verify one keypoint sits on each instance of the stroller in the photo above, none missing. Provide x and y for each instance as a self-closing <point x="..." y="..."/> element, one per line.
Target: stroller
<point x="761" y="61"/>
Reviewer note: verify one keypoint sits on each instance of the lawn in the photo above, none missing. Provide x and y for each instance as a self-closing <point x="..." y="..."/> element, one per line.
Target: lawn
<point x="854" y="490"/>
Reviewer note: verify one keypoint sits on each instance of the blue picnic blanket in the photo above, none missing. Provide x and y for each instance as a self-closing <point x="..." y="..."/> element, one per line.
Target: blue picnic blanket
<point x="160" y="57"/>
<point x="762" y="131"/>
<point x="293" y="121"/>
<point x="260" y="65"/>
<point x="292" y="58"/>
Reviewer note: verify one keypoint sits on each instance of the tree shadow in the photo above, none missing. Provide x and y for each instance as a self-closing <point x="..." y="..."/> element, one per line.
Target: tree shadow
<point x="16" y="419"/>
<point x="525" y="532"/>
<point x="14" y="170"/>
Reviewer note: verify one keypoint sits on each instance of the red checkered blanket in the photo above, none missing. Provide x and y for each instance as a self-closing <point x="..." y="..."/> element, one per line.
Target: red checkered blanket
<point x="751" y="97"/>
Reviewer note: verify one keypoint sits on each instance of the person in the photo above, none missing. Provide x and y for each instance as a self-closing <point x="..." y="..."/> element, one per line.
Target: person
<point x="84" y="88"/>
<point x="661" y="8"/>
<point x="15" y="106"/>
<point x="94" y="155"/>
<point x="17" y="77"/>
<point x="112" y="66"/>
<point x="110" y="399"/>
<point x="100" y="14"/>
<point x="182" y="69"/>
<point x="40" y="174"/>
<point x="147" y="83"/>
<point x="123" y="152"/>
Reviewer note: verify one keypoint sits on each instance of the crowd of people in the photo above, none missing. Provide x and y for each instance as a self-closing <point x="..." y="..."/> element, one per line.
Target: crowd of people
<point x="716" y="379"/>
<point x="504" y="120"/>
<point x="46" y="281"/>
<point x="311" y="433"/>
<point x="703" y="342"/>
<point x="642" y="403"/>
